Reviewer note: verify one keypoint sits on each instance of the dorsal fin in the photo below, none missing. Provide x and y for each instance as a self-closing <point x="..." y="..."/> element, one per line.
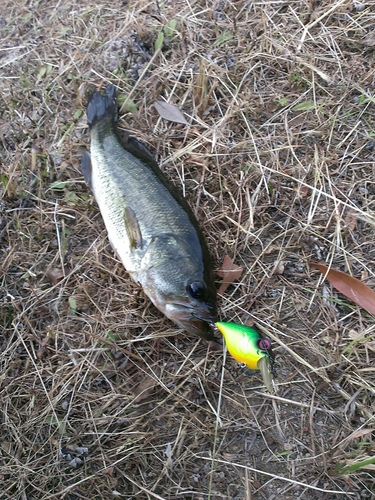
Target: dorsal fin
<point x="139" y="150"/>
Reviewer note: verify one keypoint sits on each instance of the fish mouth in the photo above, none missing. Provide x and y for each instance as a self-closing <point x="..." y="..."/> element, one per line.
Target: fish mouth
<point x="197" y="327"/>
<point x="192" y="321"/>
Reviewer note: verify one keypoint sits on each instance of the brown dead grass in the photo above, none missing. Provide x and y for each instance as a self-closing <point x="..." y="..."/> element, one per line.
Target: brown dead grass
<point x="101" y="397"/>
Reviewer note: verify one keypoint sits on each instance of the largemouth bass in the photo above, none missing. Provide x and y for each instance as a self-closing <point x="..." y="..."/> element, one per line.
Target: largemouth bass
<point x="150" y="225"/>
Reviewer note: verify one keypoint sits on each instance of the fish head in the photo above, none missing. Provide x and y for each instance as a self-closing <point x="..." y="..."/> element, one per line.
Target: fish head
<point x="191" y="306"/>
<point x="194" y="309"/>
<point x="181" y="288"/>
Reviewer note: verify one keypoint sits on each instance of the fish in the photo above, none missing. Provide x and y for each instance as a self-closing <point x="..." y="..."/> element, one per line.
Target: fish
<point x="247" y="346"/>
<point x="149" y="223"/>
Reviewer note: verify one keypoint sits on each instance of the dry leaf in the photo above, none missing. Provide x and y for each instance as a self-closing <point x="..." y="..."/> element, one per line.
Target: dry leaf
<point x="280" y="267"/>
<point x="358" y="433"/>
<point x="230" y="272"/>
<point x="369" y="40"/>
<point x="47" y="340"/>
<point x="55" y="275"/>
<point x="303" y="192"/>
<point x="170" y="112"/>
<point x="353" y="289"/>
<point x="144" y="389"/>
<point x="351" y="220"/>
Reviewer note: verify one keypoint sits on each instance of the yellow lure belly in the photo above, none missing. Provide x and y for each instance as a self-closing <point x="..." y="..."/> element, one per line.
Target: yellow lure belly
<point x="247" y="346"/>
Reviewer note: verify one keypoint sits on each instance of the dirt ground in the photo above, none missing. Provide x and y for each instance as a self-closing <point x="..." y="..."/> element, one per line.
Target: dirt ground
<point x="100" y="395"/>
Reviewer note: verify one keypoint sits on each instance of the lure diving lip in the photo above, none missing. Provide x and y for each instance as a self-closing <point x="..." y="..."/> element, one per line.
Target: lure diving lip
<point x="247" y="346"/>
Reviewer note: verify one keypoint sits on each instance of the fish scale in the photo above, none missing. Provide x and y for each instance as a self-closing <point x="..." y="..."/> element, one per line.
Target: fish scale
<point x="119" y="186"/>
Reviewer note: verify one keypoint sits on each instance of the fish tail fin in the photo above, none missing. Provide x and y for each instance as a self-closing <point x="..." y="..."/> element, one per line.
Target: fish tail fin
<point x="101" y="106"/>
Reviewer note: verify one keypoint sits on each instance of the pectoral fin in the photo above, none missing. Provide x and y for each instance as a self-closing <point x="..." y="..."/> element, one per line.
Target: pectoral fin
<point x="87" y="168"/>
<point x="132" y="228"/>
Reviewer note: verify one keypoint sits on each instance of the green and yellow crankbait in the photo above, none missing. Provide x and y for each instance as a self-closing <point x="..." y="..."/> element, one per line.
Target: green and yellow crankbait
<point x="247" y="346"/>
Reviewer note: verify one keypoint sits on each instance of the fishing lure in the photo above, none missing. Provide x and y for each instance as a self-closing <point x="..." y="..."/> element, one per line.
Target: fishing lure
<point x="247" y="346"/>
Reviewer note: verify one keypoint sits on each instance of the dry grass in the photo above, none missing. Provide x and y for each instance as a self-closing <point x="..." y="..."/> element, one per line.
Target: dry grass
<point x="101" y="397"/>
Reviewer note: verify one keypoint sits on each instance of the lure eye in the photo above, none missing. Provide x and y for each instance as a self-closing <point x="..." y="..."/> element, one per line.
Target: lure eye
<point x="264" y="344"/>
<point x="196" y="290"/>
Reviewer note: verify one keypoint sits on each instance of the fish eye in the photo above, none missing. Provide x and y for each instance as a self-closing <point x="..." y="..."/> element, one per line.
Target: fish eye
<point x="264" y="344"/>
<point x="196" y="290"/>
